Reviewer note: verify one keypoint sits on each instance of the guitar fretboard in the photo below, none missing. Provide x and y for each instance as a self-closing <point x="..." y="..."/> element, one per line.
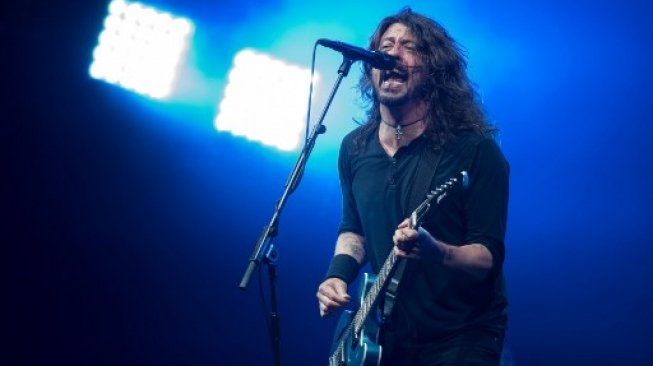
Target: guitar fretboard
<point x="370" y="298"/>
<point x="363" y="311"/>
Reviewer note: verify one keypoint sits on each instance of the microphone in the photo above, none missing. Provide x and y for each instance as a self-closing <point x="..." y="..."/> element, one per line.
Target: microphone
<point x="376" y="59"/>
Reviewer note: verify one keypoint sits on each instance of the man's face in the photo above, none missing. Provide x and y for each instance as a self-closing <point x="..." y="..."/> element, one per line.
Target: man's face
<point x="401" y="85"/>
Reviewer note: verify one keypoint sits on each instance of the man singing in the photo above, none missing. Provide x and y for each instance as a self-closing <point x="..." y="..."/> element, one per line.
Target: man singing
<point x="451" y="303"/>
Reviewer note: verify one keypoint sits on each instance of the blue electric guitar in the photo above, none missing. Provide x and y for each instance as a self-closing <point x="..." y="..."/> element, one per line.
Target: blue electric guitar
<point x="356" y="338"/>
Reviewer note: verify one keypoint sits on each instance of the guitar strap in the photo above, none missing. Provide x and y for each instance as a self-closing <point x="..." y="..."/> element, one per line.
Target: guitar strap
<point x="426" y="168"/>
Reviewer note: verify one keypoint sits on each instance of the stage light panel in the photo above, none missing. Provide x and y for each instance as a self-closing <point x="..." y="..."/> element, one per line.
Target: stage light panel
<point x="140" y="48"/>
<point x="265" y="100"/>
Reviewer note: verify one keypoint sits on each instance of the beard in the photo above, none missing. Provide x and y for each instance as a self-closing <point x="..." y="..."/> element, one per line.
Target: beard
<point x="398" y="99"/>
<point x="409" y="93"/>
<point x="392" y="100"/>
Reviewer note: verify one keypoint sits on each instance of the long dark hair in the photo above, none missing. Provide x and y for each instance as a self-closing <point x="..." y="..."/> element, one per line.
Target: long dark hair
<point x="453" y="104"/>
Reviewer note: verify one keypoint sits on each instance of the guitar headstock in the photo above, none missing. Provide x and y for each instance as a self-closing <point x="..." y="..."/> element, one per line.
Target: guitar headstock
<point x="461" y="179"/>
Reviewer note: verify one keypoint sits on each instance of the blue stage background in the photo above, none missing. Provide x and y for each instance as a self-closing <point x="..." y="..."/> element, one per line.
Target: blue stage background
<point x="127" y="223"/>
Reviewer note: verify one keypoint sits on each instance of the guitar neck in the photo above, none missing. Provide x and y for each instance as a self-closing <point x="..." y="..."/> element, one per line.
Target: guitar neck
<point x="372" y="295"/>
<point x="356" y="325"/>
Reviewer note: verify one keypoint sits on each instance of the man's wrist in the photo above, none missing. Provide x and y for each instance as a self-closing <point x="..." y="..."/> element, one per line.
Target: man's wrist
<point x="344" y="267"/>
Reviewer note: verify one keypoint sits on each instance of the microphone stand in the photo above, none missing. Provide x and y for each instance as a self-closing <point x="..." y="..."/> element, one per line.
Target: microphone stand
<point x="265" y="251"/>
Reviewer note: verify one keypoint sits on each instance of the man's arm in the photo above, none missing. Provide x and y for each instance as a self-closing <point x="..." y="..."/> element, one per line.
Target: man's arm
<point x="473" y="258"/>
<point x="351" y="244"/>
<point x="332" y="292"/>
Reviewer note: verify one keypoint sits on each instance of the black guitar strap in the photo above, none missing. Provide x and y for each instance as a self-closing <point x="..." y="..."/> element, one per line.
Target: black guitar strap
<point x="426" y="168"/>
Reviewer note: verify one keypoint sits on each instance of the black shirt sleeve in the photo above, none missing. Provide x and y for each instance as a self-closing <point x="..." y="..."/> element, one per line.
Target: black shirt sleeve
<point x="350" y="221"/>
<point x="487" y="200"/>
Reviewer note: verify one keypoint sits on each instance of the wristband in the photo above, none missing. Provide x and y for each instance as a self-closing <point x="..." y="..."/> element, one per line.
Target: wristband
<point x="344" y="267"/>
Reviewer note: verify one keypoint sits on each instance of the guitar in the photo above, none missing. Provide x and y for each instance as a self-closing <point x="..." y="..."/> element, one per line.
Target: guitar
<point x="356" y="338"/>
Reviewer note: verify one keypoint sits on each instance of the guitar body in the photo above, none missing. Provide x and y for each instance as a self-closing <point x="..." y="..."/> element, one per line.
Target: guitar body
<point x="356" y="341"/>
<point x="364" y="351"/>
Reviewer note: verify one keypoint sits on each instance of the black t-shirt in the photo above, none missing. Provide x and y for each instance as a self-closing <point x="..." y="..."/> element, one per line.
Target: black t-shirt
<point x="433" y="301"/>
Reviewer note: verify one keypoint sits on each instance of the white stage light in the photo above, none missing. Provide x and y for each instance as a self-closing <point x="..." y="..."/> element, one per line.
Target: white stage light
<point x="265" y="100"/>
<point x="140" y="48"/>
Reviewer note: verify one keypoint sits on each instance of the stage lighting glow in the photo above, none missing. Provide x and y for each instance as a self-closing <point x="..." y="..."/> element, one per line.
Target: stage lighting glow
<point x="140" y="48"/>
<point x="265" y="100"/>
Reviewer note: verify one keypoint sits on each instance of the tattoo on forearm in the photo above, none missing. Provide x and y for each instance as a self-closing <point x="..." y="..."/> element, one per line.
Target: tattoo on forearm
<point x="353" y="245"/>
<point x="356" y="248"/>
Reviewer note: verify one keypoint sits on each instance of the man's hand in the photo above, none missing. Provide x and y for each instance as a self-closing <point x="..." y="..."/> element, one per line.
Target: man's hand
<point x="417" y="244"/>
<point x="473" y="258"/>
<point x="332" y="295"/>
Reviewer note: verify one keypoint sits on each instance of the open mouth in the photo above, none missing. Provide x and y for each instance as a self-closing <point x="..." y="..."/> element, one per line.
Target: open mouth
<point x="395" y="76"/>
